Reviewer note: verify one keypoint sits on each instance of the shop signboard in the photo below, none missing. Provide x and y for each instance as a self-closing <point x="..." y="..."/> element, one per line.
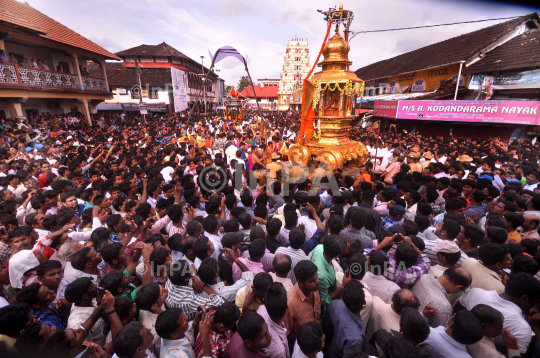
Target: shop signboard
<point x="109" y="107"/>
<point x="419" y="85"/>
<point x="461" y="80"/>
<point x="525" y="79"/>
<point x="392" y="87"/>
<point x="180" y="89"/>
<point x="156" y="107"/>
<point x="142" y="108"/>
<point x="509" y="112"/>
<point x="385" y="109"/>
<point x="486" y="91"/>
<point x="428" y="80"/>
<point x="149" y="107"/>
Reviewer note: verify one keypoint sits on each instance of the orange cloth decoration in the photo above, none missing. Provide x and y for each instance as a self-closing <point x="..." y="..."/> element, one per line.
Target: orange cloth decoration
<point x="306" y="122"/>
<point x="347" y="40"/>
<point x="309" y="129"/>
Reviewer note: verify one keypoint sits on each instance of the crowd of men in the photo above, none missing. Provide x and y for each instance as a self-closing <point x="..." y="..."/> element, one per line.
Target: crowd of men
<point x="178" y="236"/>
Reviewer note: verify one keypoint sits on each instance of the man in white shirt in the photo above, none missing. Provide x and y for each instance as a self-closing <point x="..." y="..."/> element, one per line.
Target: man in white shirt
<point x="521" y="293"/>
<point x="305" y="336"/>
<point x="463" y="328"/>
<point x="211" y="229"/>
<point x="167" y="172"/>
<point x="532" y="181"/>
<point x="388" y="316"/>
<point x="81" y="294"/>
<point x="310" y="226"/>
<point x="230" y="152"/>
<point x="379" y="285"/>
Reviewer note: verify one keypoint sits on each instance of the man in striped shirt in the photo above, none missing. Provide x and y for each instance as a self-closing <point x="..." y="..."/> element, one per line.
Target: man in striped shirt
<point x="447" y="229"/>
<point x="296" y="239"/>
<point x="209" y="272"/>
<point x="184" y="297"/>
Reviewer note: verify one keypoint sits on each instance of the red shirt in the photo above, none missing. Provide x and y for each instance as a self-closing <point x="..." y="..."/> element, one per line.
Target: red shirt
<point x="42" y="180"/>
<point x="218" y="341"/>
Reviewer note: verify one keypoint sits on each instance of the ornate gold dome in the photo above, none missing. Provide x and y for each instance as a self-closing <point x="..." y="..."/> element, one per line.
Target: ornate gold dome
<point x="335" y="50"/>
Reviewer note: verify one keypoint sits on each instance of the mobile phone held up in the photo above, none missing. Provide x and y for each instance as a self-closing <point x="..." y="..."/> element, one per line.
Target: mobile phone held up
<point x="101" y="291"/>
<point x="398" y="238"/>
<point x="203" y="315"/>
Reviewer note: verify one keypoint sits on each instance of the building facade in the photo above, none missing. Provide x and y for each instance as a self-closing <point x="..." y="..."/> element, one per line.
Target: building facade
<point x="155" y="63"/>
<point x="498" y="65"/>
<point x="269" y="81"/>
<point x="45" y="68"/>
<point x="266" y="96"/>
<point x="295" y="69"/>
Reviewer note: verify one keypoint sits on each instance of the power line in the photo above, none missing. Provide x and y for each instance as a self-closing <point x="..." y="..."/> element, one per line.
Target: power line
<point x="421" y="27"/>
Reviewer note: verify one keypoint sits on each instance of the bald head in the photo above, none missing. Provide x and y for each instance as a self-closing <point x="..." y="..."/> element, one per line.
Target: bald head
<point x="531" y="222"/>
<point x="455" y="279"/>
<point x="404" y="298"/>
<point x="282" y="265"/>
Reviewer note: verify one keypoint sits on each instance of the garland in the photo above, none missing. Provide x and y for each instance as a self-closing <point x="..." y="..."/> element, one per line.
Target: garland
<point x="349" y="87"/>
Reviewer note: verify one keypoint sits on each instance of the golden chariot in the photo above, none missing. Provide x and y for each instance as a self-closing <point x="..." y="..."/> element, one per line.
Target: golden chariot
<point x="329" y="93"/>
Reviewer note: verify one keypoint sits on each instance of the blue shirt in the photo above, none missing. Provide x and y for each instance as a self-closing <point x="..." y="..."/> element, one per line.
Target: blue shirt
<point x="348" y="330"/>
<point x="387" y="223"/>
<point x="52" y="318"/>
<point x="310" y="244"/>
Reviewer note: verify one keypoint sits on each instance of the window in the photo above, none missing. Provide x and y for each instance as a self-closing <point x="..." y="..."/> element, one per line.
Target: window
<point x="62" y="67"/>
<point x="153" y="93"/>
<point x="135" y="95"/>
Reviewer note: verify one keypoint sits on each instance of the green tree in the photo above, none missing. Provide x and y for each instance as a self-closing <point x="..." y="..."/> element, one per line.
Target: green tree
<point x="243" y="83"/>
<point x="228" y="89"/>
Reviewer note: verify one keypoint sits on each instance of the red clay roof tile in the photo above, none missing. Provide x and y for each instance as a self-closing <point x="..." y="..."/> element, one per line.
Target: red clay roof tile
<point x="16" y="13"/>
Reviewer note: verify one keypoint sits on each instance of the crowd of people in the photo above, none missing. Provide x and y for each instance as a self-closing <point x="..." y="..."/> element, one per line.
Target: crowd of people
<point x="193" y="236"/>
<point x="37" y="63"/>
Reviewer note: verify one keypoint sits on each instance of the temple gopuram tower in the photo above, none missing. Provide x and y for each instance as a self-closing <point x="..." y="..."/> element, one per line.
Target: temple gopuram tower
<point x="295" y="69"/>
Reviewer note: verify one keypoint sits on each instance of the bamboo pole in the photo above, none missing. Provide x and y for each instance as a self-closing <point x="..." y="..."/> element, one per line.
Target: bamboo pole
<point x="204" y="83"/>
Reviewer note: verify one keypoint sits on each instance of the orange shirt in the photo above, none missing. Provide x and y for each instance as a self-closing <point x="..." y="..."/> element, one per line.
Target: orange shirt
<point x="301" y="310"/>
<point x="367" y="177"/>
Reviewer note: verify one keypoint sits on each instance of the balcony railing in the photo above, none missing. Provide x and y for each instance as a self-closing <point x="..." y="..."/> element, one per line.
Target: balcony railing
<point x="13" y="74"/>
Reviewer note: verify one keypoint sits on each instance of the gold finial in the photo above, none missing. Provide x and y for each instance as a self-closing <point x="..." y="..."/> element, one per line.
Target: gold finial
<point x="341" y="6"/>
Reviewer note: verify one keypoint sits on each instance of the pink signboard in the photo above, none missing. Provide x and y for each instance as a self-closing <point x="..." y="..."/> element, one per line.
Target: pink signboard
<point x="511" y="112"/>
<point x="385" y="109"/>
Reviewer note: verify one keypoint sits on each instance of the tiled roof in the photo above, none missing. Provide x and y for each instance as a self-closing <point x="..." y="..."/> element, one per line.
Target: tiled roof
<point x="453" y="50"/>
<point x="127" y="76"/>
<point x="162" y="49"/>
<point x="522" y="52"/>
<point x="267" y="91"/>
<point x="21" y="14"/>
<point x="110" y="68"/>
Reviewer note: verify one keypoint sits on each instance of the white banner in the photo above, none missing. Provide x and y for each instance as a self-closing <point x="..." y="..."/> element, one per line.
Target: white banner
<point x="180" y="90"/>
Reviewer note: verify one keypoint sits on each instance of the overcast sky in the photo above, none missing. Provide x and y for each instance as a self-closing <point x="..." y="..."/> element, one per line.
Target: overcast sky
<point x="263" y="27"/>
